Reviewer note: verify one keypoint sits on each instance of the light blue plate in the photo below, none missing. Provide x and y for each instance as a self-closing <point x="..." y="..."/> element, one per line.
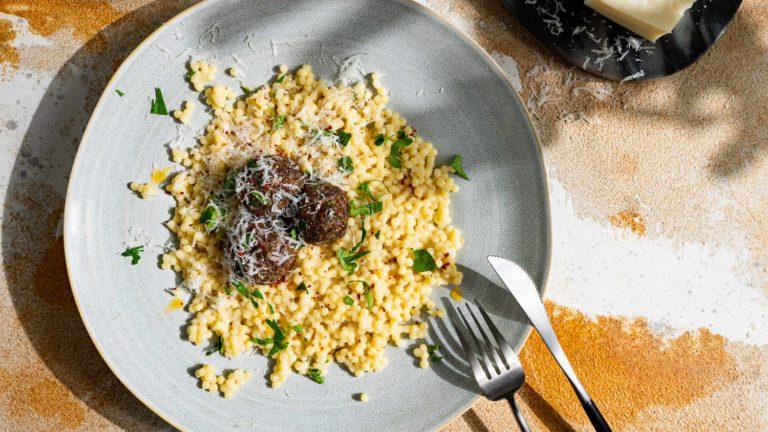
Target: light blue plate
<point x="439" y="79"/>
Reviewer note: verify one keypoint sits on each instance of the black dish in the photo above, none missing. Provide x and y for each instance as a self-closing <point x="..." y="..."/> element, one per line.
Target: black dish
<point x="593" y="43"/>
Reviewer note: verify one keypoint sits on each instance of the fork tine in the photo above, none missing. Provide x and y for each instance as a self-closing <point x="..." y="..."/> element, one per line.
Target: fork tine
<point x="499" y="364"/>
<point x="469" y="350"/>
<point x="491" y="371"/>
<point x="509" y="354"/>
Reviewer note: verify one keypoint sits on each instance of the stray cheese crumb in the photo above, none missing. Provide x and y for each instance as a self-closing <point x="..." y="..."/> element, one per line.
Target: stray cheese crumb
<point x="185" y="114"/>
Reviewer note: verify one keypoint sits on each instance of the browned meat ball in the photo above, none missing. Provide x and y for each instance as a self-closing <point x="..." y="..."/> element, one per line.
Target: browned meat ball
<point x="258" y="250"/>
<point x="270" y="185"/>
<point x="323" y="213"/>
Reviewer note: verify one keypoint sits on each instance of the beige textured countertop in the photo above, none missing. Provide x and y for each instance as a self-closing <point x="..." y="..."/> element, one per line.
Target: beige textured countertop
<point x="659" y="285"/>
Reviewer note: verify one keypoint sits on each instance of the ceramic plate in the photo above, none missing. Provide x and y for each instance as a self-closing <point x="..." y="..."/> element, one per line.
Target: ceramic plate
<point x="439" y="79"/>
<point x="593" y="43"/>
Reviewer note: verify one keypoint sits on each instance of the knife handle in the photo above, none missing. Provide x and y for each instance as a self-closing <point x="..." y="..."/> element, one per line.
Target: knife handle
<point x="597" y="419"/>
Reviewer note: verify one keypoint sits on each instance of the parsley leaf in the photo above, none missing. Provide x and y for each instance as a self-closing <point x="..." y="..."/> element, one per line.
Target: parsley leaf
<point x="240" y="287"/>
<point x="423" y="261"/>
<point x="256" y="293"/>
<point x="378" y="233"/>
<point x="270" y="308"/>
<point x="394" y="152"/>
<point x="190" y="74"/>
<point x="367" y="293"/>
<point x="458" y="168"/>
<point x="246" y="89"/>
<point x="345" y="164"/>
<point x="365" y="189"/>
<point x="133" y="253"/>
<point x="158" y="104"/>
<point x="349" y="301"/>
<point x="379" y="140"/>
<point x="280" y="79"/>
<point x="279" y="342"/>
<point x="297" y="328"/>
<point x="401" y="134"/>
<point x="212" y="216"/>
<point x="229" y="184"/>
<point x="302" y="286"/>
<point x="218" y="347"/>
<point x="344" y="137"/>
<point x="119" y="93"/>
<point x="255" y="197"/>
<point x="347" y="259"/>
<point x="362" y="239"/>
<point x="314" y="375"/>
<point x="279" y="122"/>
<point x="365" y="210"/>
<point x="258" y="341"/>
<point x="432" y="354"/>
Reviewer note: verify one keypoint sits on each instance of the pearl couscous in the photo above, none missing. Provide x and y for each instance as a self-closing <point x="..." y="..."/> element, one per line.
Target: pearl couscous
<point x="323" y="311"/>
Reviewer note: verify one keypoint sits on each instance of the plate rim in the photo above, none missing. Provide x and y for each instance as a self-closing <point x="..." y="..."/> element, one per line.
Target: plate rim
<point x="408" y="3"/>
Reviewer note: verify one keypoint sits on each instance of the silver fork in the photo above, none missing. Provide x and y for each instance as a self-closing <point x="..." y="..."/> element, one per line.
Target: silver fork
<point x="499" y="378"/>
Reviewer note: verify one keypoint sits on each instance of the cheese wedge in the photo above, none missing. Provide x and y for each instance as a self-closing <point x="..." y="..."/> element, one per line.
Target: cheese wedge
<point x="650" y="19"/>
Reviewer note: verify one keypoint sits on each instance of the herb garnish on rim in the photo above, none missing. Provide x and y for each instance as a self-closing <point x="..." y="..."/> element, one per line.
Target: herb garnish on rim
<point x="158" y="104"/>
<point x="133" y="253"/>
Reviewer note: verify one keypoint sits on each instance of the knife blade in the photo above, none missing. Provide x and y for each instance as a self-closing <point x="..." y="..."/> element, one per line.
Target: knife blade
<point x="522" y="287"/>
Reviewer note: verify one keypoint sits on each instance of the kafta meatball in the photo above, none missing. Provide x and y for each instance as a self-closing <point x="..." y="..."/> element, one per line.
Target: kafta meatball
<point x="270" y="185"/>
<point x="323" y="213"/>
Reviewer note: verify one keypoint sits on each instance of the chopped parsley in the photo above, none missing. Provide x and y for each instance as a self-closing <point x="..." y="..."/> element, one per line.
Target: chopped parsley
<point x="349" y="301"/>
<point x="218" y="347"/>
<point x="345" y="164"/>
<point x="394" y="152"/>
<point x="158" y="104"/>
<point x="458" y="168"/>
<point x="256" y="293"/>
<point x="344" y="137"/>
<point x="279" y="342"/>
<point x="119" y="93"/>
<point x="212" y="216"/>
<point x="365" y="210"/>
<point x="367" y="293"/>
<point x="362" y="239"/>
<point x="436" y="358"/>
<point x="228" y="289"/>
<point x="423" y="261"/>
<point x="246" y="89"/>
<point x="240" y="287"/>
<point x="256" y="197"/>
<point x="365" y="189"/>
<point x="279" y="122"/>
<point x="280" y="79"/>
<point x="270" y="308"/>
<point x="347" y="259"/>
<point x="190" y="74"/>
<point x="302" y="286"/>
<point x="401" y="134"/>
<point x="133" y="253"/>
<point x="264" y="342"/>
<point x="314" y="375"/>
<point x="297" y="328"/>
<point x="229" y="184"/>
<point x="379" y="140"/>
<point x="378" y="233"/>
<point x="254" y="303"/>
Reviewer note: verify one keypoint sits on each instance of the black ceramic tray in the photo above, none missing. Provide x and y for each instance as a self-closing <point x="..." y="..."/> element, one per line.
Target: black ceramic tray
<point x="599" y="46"/>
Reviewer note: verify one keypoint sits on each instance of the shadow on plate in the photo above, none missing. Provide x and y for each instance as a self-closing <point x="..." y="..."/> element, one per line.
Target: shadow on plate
<point x="32" y="246"/>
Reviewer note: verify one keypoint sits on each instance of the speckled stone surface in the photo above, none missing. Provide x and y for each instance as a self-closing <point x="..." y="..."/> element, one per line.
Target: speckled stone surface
<point x="659" y="284"/>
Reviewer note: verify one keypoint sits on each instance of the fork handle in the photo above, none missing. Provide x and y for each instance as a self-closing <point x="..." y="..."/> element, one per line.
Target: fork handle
<point x="598" y="422"/>
<point x="518" y="415"/>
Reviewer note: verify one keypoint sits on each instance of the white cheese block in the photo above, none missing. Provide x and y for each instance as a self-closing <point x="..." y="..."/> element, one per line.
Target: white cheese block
<point x="650" y="19"/>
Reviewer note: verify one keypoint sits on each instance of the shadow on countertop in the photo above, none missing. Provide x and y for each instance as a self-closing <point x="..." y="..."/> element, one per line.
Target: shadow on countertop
<point x="32" y="246"/>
